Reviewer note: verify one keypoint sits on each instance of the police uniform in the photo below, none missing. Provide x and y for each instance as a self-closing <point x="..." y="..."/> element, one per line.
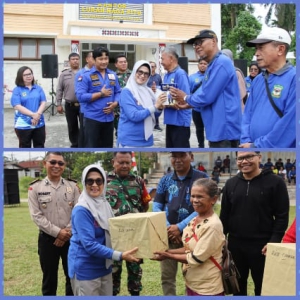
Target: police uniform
<point x="50" y="209"/>
<point x="66" y="89"/>
<point x="127" y="195"/>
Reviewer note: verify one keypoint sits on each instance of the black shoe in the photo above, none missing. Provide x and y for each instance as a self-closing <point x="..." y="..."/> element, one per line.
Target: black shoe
<point x="157" y="128"/>
<point x="134" y="293"/>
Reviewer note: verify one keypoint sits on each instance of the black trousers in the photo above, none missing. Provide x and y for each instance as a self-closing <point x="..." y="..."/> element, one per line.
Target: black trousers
<point x="98" y="134"/>
<point x="248" y="258"/>
<point x="49" y="261"/>
<point x="177" y="136"/>
<point x="224" y="144"/>
<point x="197" y="119"/>
<point x="26" y="137"/>
<point x="72" y="116"/>
<point x="81" y="131"/>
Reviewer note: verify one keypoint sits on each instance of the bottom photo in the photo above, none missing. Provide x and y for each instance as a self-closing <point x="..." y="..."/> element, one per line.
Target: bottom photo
<point x="185" y="223"/>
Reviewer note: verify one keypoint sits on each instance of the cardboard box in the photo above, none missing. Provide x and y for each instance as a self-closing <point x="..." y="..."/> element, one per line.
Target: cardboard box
<point x="147" y="231"/>
<point x="280" y="270"/>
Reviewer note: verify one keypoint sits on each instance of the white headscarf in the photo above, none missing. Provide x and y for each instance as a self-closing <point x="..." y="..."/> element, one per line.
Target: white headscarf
<point x="144" y="96"/>
<point x="98" y="207"/>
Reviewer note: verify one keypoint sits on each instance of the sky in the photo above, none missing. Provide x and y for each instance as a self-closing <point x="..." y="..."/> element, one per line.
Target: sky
<point x="24" y="155"/>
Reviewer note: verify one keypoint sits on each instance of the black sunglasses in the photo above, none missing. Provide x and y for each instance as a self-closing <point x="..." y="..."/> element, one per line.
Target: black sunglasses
<point x="91" y="181"/>
<point x="54" y="162"/>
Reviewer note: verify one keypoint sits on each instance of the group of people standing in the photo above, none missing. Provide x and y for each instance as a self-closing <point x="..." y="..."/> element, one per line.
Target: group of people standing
<point x="130" y="102"/>
<point x="73" y="225"/>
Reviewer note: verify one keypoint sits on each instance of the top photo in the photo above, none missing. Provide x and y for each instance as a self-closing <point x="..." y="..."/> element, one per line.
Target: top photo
<point x="121" y="75"/>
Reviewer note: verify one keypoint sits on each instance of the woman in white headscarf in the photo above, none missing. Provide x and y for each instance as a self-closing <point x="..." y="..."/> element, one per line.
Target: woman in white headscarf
<point x="90" y="255"/>
<point x="138" y="107"/>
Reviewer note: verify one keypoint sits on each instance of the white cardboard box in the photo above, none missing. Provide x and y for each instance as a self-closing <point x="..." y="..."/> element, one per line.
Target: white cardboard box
<point x="147" y="231"/>
<point x="280" y="270"/>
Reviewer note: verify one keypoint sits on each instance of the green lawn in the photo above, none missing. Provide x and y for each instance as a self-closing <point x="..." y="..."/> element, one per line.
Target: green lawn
<point x="22" y="274"/>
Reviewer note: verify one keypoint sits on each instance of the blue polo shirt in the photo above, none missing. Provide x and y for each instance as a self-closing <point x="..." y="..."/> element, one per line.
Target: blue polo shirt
<point x="31" y="99"/>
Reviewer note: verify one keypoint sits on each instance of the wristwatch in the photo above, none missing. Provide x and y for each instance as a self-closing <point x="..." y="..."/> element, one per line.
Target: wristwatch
<point x="184" y="98"/>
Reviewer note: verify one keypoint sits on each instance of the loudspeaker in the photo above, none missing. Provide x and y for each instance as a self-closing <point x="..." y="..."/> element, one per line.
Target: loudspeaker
<point x="242" y="65"/>
<point x="49" y="66"/>
<point x="11" y="187"/>
<point x="183" y="62"/>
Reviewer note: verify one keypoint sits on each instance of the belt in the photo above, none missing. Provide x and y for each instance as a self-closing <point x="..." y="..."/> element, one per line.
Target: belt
<point x="73" y="103"/>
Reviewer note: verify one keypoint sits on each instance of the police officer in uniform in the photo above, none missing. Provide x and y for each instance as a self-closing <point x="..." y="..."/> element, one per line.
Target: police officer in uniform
<point x="66" y="89"/>
<point x="51" y="201"/>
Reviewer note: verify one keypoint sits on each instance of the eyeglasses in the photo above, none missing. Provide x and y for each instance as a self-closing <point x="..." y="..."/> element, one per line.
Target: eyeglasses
<point x="27" y="75"/>
<point x="247" y="158"/>
<point x="152" y="67"/>
<point x="199" y="43"/>
<point x="253" y="70"/>
<point x="91" y="181"/>
<point x="54" y="162"/>
<point x="140" y="73"/>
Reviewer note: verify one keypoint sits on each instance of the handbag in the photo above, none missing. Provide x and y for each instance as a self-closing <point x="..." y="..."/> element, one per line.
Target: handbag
<point x="230" y="273"/>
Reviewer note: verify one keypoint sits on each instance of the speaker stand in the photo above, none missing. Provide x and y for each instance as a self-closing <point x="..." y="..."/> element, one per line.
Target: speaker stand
<point x="51" y="107"/>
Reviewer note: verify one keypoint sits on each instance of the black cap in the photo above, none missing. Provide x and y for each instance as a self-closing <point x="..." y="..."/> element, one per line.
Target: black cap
<point x="203" y="34"/>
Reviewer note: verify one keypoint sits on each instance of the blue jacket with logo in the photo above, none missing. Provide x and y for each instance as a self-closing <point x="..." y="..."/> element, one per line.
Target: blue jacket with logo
<point x="91" y="82"/>
<point x="219" y="100"/>
<point x="261" y="125"/>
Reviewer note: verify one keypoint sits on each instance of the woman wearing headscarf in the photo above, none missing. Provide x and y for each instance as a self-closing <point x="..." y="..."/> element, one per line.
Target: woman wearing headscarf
<point x="138" y="108"/>
<point x="254" y="70"/>
<point x="90" y="255"/>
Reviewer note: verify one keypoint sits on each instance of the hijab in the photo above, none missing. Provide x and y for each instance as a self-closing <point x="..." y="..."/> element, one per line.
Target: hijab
<point x="143" y="95"/>
<point x="99" y="206"/>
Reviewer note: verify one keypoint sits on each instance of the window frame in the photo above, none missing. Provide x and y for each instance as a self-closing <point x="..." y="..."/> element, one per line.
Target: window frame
<point x="37" y="55"/>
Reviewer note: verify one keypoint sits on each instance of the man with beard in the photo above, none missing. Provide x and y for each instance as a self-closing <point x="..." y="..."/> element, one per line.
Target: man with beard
<point x="218" y="97"/>
<point x="254" y="212"/>
<point x="99" y="88"/>
<point x="126" y="193"/>
<point x="173" y="197"/>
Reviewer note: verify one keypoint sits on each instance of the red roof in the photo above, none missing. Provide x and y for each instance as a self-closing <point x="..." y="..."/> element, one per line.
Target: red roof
<point x="31" y="164"/>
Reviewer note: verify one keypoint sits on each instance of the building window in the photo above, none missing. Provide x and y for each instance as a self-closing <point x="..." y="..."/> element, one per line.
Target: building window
<point x="189" y="51"/>
<point x="27" y="48"/>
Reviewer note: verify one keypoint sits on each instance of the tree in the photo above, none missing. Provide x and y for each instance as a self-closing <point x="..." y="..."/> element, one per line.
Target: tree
<point x="246" y="28"/>
<point x="229" y="16"/>
<point x="285" y="15"/>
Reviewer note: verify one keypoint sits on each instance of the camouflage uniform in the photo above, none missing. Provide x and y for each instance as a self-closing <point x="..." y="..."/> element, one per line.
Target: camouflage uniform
<point x="127" y="195"/>
<point x="123" y="78"/>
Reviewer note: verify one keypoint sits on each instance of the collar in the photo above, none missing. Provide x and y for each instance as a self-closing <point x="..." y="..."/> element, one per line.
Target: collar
<point x="188" y="175"/>
<point x="285" y="68"/>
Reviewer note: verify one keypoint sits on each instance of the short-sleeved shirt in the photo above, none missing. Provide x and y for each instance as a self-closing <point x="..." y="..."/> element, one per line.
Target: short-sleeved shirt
<point x="126" y="195"/>
<point x="66" y="87"/>
<point x="173" y="195"/>
<point x="31" y="99"/>
<point x="51" y="206"/>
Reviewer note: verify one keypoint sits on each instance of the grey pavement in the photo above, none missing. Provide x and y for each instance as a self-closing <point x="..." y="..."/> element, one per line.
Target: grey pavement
<point x="57" y="132"/>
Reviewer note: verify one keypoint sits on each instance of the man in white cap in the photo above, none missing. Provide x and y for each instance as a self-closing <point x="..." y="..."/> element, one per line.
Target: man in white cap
<point x="269" y="117"/>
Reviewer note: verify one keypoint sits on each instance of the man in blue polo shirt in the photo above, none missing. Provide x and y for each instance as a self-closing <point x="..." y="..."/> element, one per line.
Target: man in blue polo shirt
<point x="173" y="197"/>
<point x="99" y="88"/>
<point x="218" y="97"/>
<point x="177" y="121"/>
<point x="269" y="121"/>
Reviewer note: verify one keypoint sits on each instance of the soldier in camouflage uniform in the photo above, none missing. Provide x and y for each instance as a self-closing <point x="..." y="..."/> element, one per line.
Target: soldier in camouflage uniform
<point x="123" y="74"/>
<point x="126" y="193"/>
